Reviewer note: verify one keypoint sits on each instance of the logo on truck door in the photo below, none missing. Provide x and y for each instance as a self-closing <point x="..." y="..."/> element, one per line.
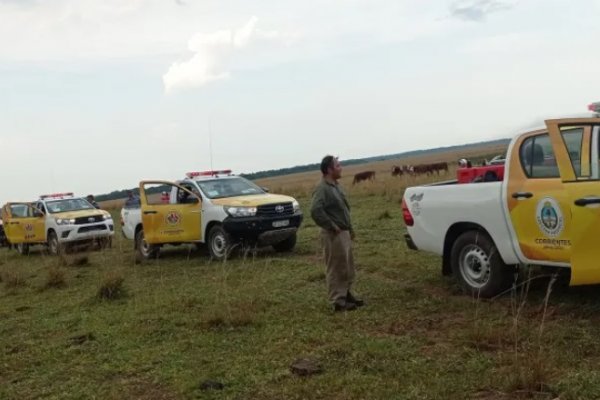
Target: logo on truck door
<point x="172" y="218"/>
<point x="549" y="217"/>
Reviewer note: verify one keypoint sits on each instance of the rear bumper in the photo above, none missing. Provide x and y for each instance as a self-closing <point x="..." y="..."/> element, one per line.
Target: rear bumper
<point x="409" y="242"/>
<point x="264" y="230"/>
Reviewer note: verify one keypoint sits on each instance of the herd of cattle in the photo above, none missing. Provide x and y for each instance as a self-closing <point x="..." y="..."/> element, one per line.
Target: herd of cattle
<point x="411" y="170"/>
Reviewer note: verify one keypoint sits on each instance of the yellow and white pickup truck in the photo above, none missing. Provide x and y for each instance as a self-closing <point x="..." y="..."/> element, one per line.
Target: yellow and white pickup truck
<point x="56" y="220"/>
<point x="545" y="211"/>
<point x="215" y="208"/>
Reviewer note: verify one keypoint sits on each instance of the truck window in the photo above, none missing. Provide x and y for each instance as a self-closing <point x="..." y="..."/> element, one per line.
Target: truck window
<point x="573" y="139"/>
<point x="537" y="157"/>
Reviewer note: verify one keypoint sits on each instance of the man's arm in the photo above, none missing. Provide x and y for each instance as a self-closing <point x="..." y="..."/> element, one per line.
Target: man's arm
<point x="317" y="211"/>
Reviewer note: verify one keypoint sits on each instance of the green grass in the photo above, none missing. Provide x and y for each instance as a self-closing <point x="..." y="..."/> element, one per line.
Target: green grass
<point x="181" y="320"/>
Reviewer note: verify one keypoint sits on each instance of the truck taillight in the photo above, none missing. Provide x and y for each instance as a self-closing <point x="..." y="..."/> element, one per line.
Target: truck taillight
<point x="408" y="218"/>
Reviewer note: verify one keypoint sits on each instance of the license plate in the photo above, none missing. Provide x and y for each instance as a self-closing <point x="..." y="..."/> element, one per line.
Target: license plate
<point x="279" y="224"/>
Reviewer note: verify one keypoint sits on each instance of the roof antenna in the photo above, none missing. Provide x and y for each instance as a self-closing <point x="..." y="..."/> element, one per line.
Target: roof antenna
<point x="210" y="140"/>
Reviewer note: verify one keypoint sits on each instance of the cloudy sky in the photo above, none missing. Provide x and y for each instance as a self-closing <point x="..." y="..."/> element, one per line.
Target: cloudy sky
<point x="96" y="95"/>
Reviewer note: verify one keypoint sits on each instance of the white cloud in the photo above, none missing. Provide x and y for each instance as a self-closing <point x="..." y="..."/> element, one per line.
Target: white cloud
<point x="477" y="10"/>
<point x="212" y="52"/>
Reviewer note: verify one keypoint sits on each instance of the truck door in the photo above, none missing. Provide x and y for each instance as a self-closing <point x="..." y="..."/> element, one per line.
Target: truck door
<point x="23" y="223"/>
<point x="582" y="186"/>
<point x="537" y="203"/>
<point x="179" y="220"/>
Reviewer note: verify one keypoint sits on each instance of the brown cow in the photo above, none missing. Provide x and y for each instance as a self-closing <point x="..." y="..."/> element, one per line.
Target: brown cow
<point x="396" y="170"/>
<point x="363" y="176"/>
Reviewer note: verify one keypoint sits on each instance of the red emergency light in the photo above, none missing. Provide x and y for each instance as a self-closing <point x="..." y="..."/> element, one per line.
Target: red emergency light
<point x="46" y="196"/>
<point x="208" y="173"/>
<point x="594" y="107"/>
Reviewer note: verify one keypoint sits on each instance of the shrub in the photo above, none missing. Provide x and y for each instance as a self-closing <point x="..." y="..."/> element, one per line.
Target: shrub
<point x="55" y="278"/>
<point x="111" y="287"/>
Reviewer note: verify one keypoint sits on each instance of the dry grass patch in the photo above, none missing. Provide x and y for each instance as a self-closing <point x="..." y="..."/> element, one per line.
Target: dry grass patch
<point x="12" y="279"/>
<point x="74" y="260"/>
<point x="230" y="316"/>
<point x="55" y="278"/>
<point x="111" y="287"/>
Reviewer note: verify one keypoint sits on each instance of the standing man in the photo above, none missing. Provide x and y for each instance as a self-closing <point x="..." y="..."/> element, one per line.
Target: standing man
<point x="133" y="200"/>
<point x="330" y="210"/>
<point x="90" y="198"/>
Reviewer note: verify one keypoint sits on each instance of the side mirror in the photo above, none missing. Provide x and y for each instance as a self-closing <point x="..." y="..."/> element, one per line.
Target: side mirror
<point x="265" y="189"/>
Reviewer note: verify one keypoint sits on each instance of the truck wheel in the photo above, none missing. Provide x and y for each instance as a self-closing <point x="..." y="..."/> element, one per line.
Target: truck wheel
<point x="219" y="243"/>
<point x="23" y="249"/>
<point x="144" y="250"/>
<point x="477" y="265"/>
<point x="54" y="246"/>
<point x="286" y="245"/>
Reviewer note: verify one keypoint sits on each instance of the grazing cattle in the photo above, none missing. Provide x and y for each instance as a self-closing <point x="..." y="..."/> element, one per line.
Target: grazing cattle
<point x="363" y="176"/>
<point x="429" y="169"/>
<point x="396" y="170"/>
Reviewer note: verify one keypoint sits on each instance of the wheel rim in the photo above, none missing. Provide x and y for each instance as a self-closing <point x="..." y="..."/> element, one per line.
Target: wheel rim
<point x="474" y="266"/>
<point x="218" y="245"/>
<point x="53" y="244"/>
<point x="144" y="246"/>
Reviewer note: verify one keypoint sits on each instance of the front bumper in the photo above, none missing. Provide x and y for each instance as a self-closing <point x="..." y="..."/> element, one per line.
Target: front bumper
<point x="409" y="242"/>
<point x="75" y="233"/>
<point x="264" y="230"/>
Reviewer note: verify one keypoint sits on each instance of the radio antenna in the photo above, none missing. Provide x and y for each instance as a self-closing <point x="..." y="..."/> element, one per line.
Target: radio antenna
<point x="210" y="141"/>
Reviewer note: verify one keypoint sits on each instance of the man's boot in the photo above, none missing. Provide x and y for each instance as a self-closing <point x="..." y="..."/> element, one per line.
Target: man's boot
<point x="351" y="299"/>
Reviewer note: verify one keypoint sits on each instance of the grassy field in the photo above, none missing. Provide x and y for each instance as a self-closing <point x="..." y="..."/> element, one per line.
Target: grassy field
<point x="99" y="326"/>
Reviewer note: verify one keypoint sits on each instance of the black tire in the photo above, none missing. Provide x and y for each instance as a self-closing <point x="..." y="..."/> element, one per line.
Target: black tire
<point x="219" y="243"/>
<point x="286" y="245"/>
<point x="54" y="246"/>
<point x="23" y="249"/>
<point x="478" y="267"/>
<point x="143" y="250"/>
<point x="490" y="176"/>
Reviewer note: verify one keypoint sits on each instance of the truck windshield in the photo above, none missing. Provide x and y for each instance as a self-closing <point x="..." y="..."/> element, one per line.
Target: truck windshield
<point x="68" y="205"/>
<point x="230" y="187"/>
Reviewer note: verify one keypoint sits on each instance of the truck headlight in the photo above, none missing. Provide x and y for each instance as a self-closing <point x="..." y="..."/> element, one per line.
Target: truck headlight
<point x="296" y="206"/>
<point x="240" y="211"/>
<point x="107" y="216"/>
<point x="65" y="221"/>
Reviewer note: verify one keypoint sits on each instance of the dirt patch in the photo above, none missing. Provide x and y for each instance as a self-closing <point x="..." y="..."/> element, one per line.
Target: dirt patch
<point x="140" y="388"/>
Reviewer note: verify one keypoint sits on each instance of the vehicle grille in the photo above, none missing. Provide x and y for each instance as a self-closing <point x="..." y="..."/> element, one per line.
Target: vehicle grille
<point x="90" y="228"/>
<point x="270" y="210"/>
<point x="88" y="219"/>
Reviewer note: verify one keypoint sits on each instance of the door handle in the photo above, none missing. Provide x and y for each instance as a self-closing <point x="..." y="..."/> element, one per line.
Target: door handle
<point x="150" y="212"/>
<point x="522" y="195"/>
<point x="14" y="223"/>
<point x="584" y="201"/>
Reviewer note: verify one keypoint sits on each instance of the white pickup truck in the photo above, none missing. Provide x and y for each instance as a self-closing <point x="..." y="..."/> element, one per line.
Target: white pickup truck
<point x="544" y="211"/>
<point x="215" y="208"/>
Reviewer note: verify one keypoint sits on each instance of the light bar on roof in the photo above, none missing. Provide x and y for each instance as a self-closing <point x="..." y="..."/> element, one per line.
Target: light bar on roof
<point x="56" y="195"/>
<point x="208" y="173"/>
<point x="594" y="107"/>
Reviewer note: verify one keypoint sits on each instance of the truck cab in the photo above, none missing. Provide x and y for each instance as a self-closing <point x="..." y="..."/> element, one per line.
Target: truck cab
<point x="216" y="208"/>
<point x="545" y="211"/>
<point x="56" y="221"/>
